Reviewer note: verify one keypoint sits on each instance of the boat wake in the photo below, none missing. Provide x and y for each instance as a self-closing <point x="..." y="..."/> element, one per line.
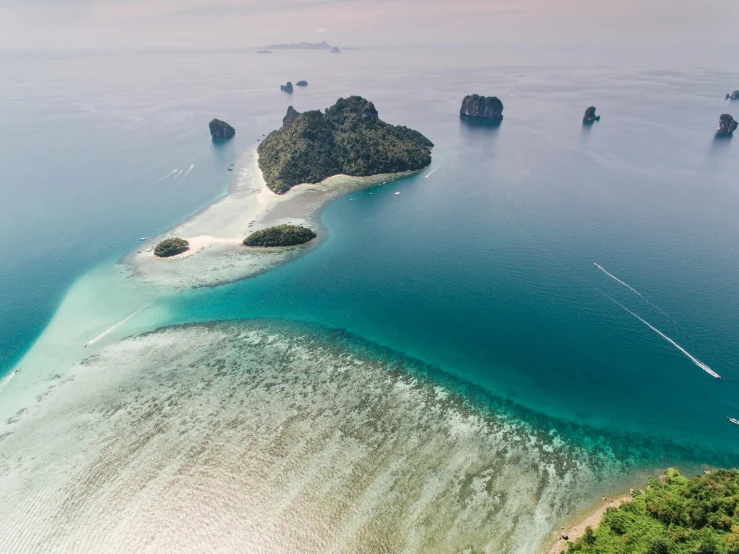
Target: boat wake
<point x="107" y="331"/>
<point x="168" y="175"/>
<point x="189" y="169"/>
<point x="430" y="173"/>
<point x="7" y="379"/>
<point x="692" y="358"/>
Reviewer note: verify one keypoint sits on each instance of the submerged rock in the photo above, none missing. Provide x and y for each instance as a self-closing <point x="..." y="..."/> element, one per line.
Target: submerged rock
<point x="726" y="124"/>
<point x="590" y="116"/>
<point x="335" y="50"/>
<point x="221" y="129"/>
<point x="290" y="117"/>
<point x="301" y="83"/>
<point x="733" y="96"/>
<point x="484" y="107"/>
<point x="287" y="87"/>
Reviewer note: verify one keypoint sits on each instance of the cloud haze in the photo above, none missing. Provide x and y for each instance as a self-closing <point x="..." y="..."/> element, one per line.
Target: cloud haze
<point x="243" y="23"/>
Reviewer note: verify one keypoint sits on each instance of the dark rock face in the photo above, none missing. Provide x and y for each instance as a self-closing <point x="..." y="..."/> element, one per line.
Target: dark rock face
<point x="221" y="129"/>
<point x="301" y="84"/>
<point x="733" y="96"/>
<point x="335" y="50"/>
<point x="590" y="116"/>
<point x="290" y="117"/>
<point x="485" y="107"/>
<point x="287" y="87"/>
<point x="726" y="124"/>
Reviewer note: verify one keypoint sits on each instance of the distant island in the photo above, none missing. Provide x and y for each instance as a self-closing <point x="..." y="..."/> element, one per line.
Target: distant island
<point x="264" y="51"/>
<point x="171" y="247"/>
<point x="673" y="515"/>
<point x="590" y="116"/>
<point x="335" y="50"/>
<point x="287" y="87"/>
<point x="726" y="124"/>
<point x="280" y="235"/>
<point x="733" y="96"/>
<point x="349" y="138"/>
<point x="483" y="107"/>
<point x="220" y="129"/>
<point x="300" y="46"/>
<point x="301" y="84"/>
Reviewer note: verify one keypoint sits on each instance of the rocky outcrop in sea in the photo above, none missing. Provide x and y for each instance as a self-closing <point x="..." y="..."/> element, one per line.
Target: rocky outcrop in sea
<point x="335" y="50"/>
<point x="287" y="87"/>
<point x="301" y="84"/>
<point x="726" y="124"/>
<point x="483" y="107"/>
<point x="221" y="129"/>
<point x="733" y="96"/>
<point x="590" y="116"/>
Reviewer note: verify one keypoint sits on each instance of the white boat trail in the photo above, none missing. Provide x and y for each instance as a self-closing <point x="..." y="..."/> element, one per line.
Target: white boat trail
<point x="165" y="177"/>
<point x="178" y="174"/>
<point x="430" y="173"/>
<point x="101" y="335"/>
<point x="692" y="358"/>
<point x="7" y="379"/>
<point x="189" y="169"/>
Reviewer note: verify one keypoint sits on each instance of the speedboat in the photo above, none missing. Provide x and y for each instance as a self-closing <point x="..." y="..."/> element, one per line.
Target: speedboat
<point x="397" y="193"/>
<point x="735" y="421"/>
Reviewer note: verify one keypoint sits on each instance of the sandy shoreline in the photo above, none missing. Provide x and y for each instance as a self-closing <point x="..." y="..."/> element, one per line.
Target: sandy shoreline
<point x="217" y="255"/>
<point x="591" y="518"/>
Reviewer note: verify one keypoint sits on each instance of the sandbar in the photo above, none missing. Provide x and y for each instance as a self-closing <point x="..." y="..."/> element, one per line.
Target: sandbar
<point x="216" y="233"/>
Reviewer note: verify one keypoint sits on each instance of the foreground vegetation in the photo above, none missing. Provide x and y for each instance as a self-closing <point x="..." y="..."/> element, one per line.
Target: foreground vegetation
<point x="280" y="235"/>
<point x="171" y="247"/>
<point x="674" y="515"/>
<point x="348" y="138"/>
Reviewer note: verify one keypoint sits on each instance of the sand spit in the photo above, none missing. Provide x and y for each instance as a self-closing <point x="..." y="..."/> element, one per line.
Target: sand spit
<point x="269" y="437"/>
<point x="217" y="255"/>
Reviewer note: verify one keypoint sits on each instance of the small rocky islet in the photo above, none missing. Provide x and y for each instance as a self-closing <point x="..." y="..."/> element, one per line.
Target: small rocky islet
<point x="301" y="83"/>
<point x="733" y="96"/>
<point x="482" y="107"/>
<point x="171" y="247"/>
<point x="590" y="116"/>
<point x="220" y="129"/>
<point x="287" y="87"/>
<point x="726" y="124"/>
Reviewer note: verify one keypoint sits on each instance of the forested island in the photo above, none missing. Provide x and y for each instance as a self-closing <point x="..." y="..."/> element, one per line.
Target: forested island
<point x="171" y="247"/>
<point x="674" y="515"/>
<point x="348" y="138"/>
<point x="280" y="235"/>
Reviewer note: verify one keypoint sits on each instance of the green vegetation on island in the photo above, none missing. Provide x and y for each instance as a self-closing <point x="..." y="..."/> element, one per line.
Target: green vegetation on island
<point x="348" y="138"/>
<point x="280" y="235"/>
<point x="171" y="247"/>
<point x="674" y="515"/>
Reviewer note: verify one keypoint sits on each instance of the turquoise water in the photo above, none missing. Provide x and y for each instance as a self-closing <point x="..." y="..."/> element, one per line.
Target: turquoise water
<point x="484" y="269"/>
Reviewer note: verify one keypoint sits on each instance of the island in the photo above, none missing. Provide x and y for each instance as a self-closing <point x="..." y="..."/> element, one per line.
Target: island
<point x="221" y="130"/>
<point x="301" y="83"/>
<point x="590" y="116"/>
<point x="323" y="45"/>
<point x="726" y="124"/>
<point x="733" y="96"/>
<point x="171" y="247"/>
<point x="672" y="515"/>
<point x="335" y="50"/>
<point x="287" y="87"/>
<point x="349" y="138"/>
<point x="483" y="107"/>
<point x="280" y="235"/>
<point x="264" y="51"/>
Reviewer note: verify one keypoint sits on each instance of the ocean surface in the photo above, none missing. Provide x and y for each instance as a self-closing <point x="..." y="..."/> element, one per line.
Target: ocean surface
<point x="483" y="267"/>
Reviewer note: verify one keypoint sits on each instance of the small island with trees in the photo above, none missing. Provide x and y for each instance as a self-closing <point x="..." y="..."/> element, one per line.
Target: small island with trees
<point x="280" y="235"/>
<point x="171" y="247"/>
<point x="674" y="515"/>
<point x="348" y="138"/>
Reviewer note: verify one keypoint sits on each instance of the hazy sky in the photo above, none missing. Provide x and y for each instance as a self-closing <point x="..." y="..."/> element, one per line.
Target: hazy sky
<point x="34" y="24"/>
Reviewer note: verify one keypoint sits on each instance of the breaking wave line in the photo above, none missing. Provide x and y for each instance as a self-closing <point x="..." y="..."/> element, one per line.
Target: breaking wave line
<point x="101" y="335"/>
<point x="692" y="358"/>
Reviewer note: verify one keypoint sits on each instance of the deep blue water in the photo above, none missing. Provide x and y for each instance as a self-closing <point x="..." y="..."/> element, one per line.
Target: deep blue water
<point x="484" y="269"/>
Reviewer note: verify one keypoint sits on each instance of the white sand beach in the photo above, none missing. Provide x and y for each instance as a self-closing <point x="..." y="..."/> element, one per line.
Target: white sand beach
<point x="217" y="254"/>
